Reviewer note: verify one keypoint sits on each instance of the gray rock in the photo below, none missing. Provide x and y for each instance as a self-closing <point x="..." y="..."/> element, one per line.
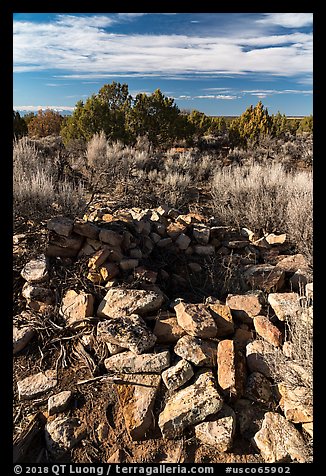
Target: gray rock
<point x="130" y="332"/>
<point x="110" y="237"/>
<point x="196" y="351"/>
<point x="36" y="270"/>
<point x="61" y="225"/>
<point x="59" y="402"/>
<point x="34" y="385"/>
<point x="257" y="359"/>
<point x="259" y="389"/>
<point x="128" y="362"/>
<point x="120" y="301"/>
<point x="204" y="250"/>
<point x="285" y="305"/>
<point x="266" y="277"/>
<point x="196" y="320"/>
<point x="250" y="416"/>
<point x="63" y="434"/>
<point x="279" y="441"/>
<point x="219" y="431"/>
<point x="190" y="405"/>
<point x="177" y="375"/>
<point x="21" y="337"/>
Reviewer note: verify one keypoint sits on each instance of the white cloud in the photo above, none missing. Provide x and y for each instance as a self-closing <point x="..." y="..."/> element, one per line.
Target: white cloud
<point x="287" y="20"/>
<point x="36" y="108"/>
<point x="79" y="45"/>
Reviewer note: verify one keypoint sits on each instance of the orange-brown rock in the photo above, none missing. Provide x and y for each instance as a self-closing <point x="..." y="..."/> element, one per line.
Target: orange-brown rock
<point x="231" y="368"/>
<point x="268" y="331"/>
<point x="245" y="306"/>
<point x="196" y="320"/>
<point x="222" y="316"/>
<point x="76" y="306"/>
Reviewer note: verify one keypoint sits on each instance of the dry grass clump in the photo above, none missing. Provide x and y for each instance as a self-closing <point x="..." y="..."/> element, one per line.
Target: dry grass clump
<point x="37" y="192"/>
<point x="266" y="197"/>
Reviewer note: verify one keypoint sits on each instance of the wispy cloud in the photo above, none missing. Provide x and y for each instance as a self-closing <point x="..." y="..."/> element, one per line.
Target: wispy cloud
<point x="83" y="47"/>
<point x="36" y="108"/>
<point x="287" y="20"/>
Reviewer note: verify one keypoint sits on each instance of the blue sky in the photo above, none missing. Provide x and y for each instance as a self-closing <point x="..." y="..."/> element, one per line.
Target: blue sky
<point x="217" y="63"/>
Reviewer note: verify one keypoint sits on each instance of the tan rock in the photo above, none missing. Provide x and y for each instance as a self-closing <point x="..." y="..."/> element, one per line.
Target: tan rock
<point x="222" y="316"/>
<point x="219" y="431"/>
<point x="36" y="270"/>
<point x="231" y="369"/>
<point x="291" y="263"/>
<point x="266" y="277"/>
<point x="59" y="402"/>
<point x="110" y="237"/>
<point x="177" y="375"/>
<point x="284" y="305"/>
<point x="137" y="396"/>
<point x="196" y="320"/>
<point x="273" y="239"/>
<point x="99" y="258"/>
<point x="168" y="331"/>
<point x="173" y="230"/>
<point x="279" y="440"/>
<point x="268" y="331"/>
<point x="61" y="225"/>
<point x="190" y="405"/>
<point x="309" y="291"/>
<point x="309" y="428"/>
<point x="257" y="358"/>
<point x="245" y="306"/>
<point x="37" y="384"/>
<point x="65" y="247"/>
<point x="128" y="362"/>
<point x="120" y="301"/>
<point x="63" y="434"/>
<point x="295" y="404"/>
<point x="76" y="306"/>
<point x="129" y="332"/>
<point x="21" y="337"/>
<point x="197" y="351"/>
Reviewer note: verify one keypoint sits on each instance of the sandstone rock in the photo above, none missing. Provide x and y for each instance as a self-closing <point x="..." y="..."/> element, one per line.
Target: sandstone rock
<point x="256" y="353"/>
<point x="231" y="369"/>
<point x="242" y="337"/>
<point x="222" y="316"/>
<point x="86" y="250"/>
<point x="197" y="351"/>
<point x="183" y="241"/>
<point x="63" y="433"/>
<point x="268" y="331"/>
<point x="99" y="258"/>
<point x="21" y="337"/>
<point x="168" y="331"/>
<point x="265" y="277"/>
<point x="201" y="233"/>
<point x="127" y="264"/>
<point x="64" y="247"/>
<point x="249" y="234"/>
<point x="195" y="320"/>
<point x="137" y="396"/>
<point x="36" y="270"/>
<point x="34" y="385"/>
<point x="245" y="306"/>
<point x="120" y="301"/>
<point x="177" y="375"/>
<point x="89" y="230"/>
<point x="59" y="402"/>
<point x="204" y="250"/>
<point x="294" y="403"/>
<point x="291" y="263"/>
<point x="115" y="349"/>
<point x="173" y="230"/>
<point x="284" y="305"/>
<point x="109" y="271"/>
<point x="279" y="440"/>
<point x="130" y="332"/>
<point x="76" y="306"/>
<point x="309" y="428"/>
<point x="273" y="239"/>
<point x="259" y="389"/>
<point x="250" y="416"/>
<point x="190" y="405"/>
<point x="128" y="362"/>
<point x="61" y="225"/>
<point x="219" y="431"/>
<point x="190" y="218"/>
<point x="110" y="237"/>
<point x="35" y="292"/>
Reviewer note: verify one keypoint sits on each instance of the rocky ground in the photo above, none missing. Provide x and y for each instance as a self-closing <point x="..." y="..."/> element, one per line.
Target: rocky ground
<point x="152" y="336"/>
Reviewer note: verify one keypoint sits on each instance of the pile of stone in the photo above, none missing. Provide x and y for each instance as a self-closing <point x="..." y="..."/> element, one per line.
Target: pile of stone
<point x="207" y="358"/>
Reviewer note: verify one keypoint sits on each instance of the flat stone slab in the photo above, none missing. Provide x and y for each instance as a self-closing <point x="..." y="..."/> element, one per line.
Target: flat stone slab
<point x="231" y="369"/>
<point x="196" y="320"/>
<point x="279" y="441"/>
<point x="177" y="375"/>
<point x="37" y="384"/>
<point x="59" y="402"/>
<point x="190" y="406"/>
<point x="120" y="301"/>
<point x="36" y="270"/>
<point x="76" y="306"/>
<point x="21" y="337"/>
<point x="61" y="225"/>
<point x="168" y="330"/>
<point x="245" y="306"/>
<point x="285" y="305"/>
<point x="63" y="434"/>
<point x="129" y="332"/>
<point x="128" y="362"/>
<point x="266" y="329"/>
<point x="218" y="432"/>
<point x="294" y="403"/>
<point x="196" y="351"/>
<point x="137" y="396"/>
